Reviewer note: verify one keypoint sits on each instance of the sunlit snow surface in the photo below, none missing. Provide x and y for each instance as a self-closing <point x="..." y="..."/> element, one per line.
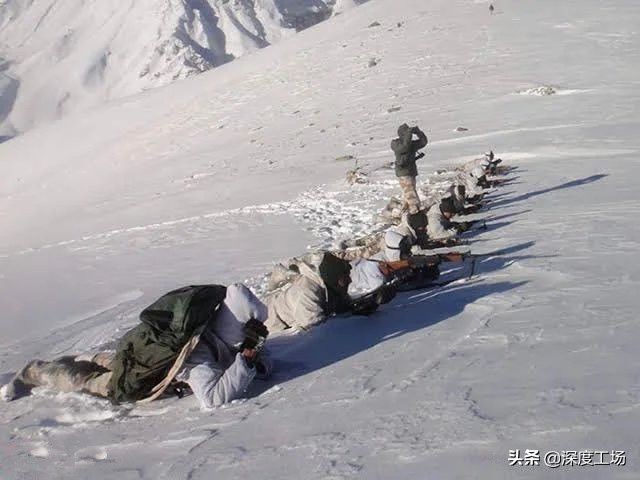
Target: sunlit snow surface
<point x="215" y="178"/>
<point x="64" y="56"/>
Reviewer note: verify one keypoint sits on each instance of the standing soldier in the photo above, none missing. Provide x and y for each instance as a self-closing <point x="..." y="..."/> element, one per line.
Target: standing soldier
<point x="406" y="150"/>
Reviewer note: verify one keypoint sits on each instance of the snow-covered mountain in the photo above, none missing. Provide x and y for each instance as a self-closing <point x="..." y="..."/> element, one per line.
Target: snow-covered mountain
<point x="60" y="56"/>
<point x="214" y="178"/>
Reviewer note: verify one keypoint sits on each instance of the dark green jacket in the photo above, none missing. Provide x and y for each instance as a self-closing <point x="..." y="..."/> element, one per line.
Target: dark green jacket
<point x="405" y="149"/>
<point x="146" y="352"/>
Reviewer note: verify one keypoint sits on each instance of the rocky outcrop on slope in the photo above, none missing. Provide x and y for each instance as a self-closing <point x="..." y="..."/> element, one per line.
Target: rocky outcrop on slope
<point x="68" y="55"/>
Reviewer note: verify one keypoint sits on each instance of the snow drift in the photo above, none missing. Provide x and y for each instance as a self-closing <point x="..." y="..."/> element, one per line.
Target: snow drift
<point x="216" y="177"/>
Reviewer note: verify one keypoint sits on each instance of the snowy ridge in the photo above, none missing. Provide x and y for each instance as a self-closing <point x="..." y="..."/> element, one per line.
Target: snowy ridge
<point x="61" y="56"/>
<point x="538" y="351"/>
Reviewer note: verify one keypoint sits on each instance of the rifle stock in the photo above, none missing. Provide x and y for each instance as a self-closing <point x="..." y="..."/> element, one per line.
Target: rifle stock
<point x="368" y="303"/>
<point x="455" y="257"/>
<point x="402" y="270"/>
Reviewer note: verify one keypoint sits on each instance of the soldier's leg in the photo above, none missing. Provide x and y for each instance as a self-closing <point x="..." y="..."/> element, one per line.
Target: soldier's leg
<point x="67" y="374"/>
<point x="20" y="385"/>
<point x="274" y="323"/>
<point x="98" y="384"/>
<point x="410" y="194"/>
<point x="280" y="276"/>
<point x="64" y="374"/>
<point x="403" y="182"/>
<point x="104" y="359"/>
<point x="370" y="246"/>
<point x="392" y="213"/>
<point x="372" y="238"/>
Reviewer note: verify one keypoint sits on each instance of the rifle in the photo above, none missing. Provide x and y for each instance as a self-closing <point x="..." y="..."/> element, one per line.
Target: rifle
<point x="472" y="209"/>
<point x="433" y="244"/>
<point x="467" y="226"/>
<point x="415" y="262"/>
<point x="501" y="181"/>
<point x="420" y="268"/>
<point x="401" y="274"/>
<point x="396" y="273"/>
<point x="369" y="302"/>
<point x="454" y="257"/>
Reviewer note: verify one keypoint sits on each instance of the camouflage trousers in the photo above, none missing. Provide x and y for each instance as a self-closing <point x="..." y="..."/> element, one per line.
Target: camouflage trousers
<point x="365" y="247"/>
<point x="69" y="374"/>
<point x="410" y="194"/>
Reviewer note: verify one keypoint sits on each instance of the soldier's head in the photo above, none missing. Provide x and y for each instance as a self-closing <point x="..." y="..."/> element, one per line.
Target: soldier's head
<point x="335" y="273"/>
<point x="240" y="305"/>
<point x="418" y="222"/>
<point x="462" y="191"/>
<point x="447" y="207"/>
<point x="404" y="130"/>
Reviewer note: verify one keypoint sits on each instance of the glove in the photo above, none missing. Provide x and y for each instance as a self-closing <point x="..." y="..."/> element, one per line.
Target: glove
<point x="472" y="209"/>
<point x="255" y="333"/>
<point x="418" y="261"/>
<point x="464" y="226"/>
<point x="365" y="308"/>
<point x="263" y="366"/>
<point x="385" y="294"/>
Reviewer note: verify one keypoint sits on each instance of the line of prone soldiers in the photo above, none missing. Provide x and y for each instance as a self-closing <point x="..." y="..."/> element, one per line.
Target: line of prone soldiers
<point x="209" y="339"/>
<point x="368" y="271"/>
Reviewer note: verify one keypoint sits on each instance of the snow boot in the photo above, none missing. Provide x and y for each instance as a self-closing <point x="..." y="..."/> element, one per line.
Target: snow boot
<point x="22" y="383"/>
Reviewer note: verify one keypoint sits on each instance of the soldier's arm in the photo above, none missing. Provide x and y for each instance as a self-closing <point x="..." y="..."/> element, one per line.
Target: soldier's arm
<point x="438" y="231"/>
<point x="308" y="310"/>
<point x="402" y="144"/>
<point x="214" y="386"/>
<point x="421" y="142"/>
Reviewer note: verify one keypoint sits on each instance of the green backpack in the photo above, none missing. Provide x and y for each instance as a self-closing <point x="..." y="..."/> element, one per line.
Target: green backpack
<point x="147" y="352"/>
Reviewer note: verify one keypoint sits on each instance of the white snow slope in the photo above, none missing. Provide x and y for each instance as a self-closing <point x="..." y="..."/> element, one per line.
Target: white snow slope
<point x="213" y="178"/>
<point x="61" y="56"/>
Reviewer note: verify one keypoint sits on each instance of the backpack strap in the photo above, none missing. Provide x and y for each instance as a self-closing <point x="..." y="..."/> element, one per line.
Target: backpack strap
<point x="160" y="388"/>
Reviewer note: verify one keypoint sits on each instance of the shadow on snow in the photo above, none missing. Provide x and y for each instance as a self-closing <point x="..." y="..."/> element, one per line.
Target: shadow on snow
<point x="342" y="337"/>
<point x="571" y="184"/>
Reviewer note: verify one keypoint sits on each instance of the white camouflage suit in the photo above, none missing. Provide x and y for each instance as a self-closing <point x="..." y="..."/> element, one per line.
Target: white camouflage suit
<point x="438" y="226"/>
<point x="301" y="304"/>
<point x="215" y="371"/>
